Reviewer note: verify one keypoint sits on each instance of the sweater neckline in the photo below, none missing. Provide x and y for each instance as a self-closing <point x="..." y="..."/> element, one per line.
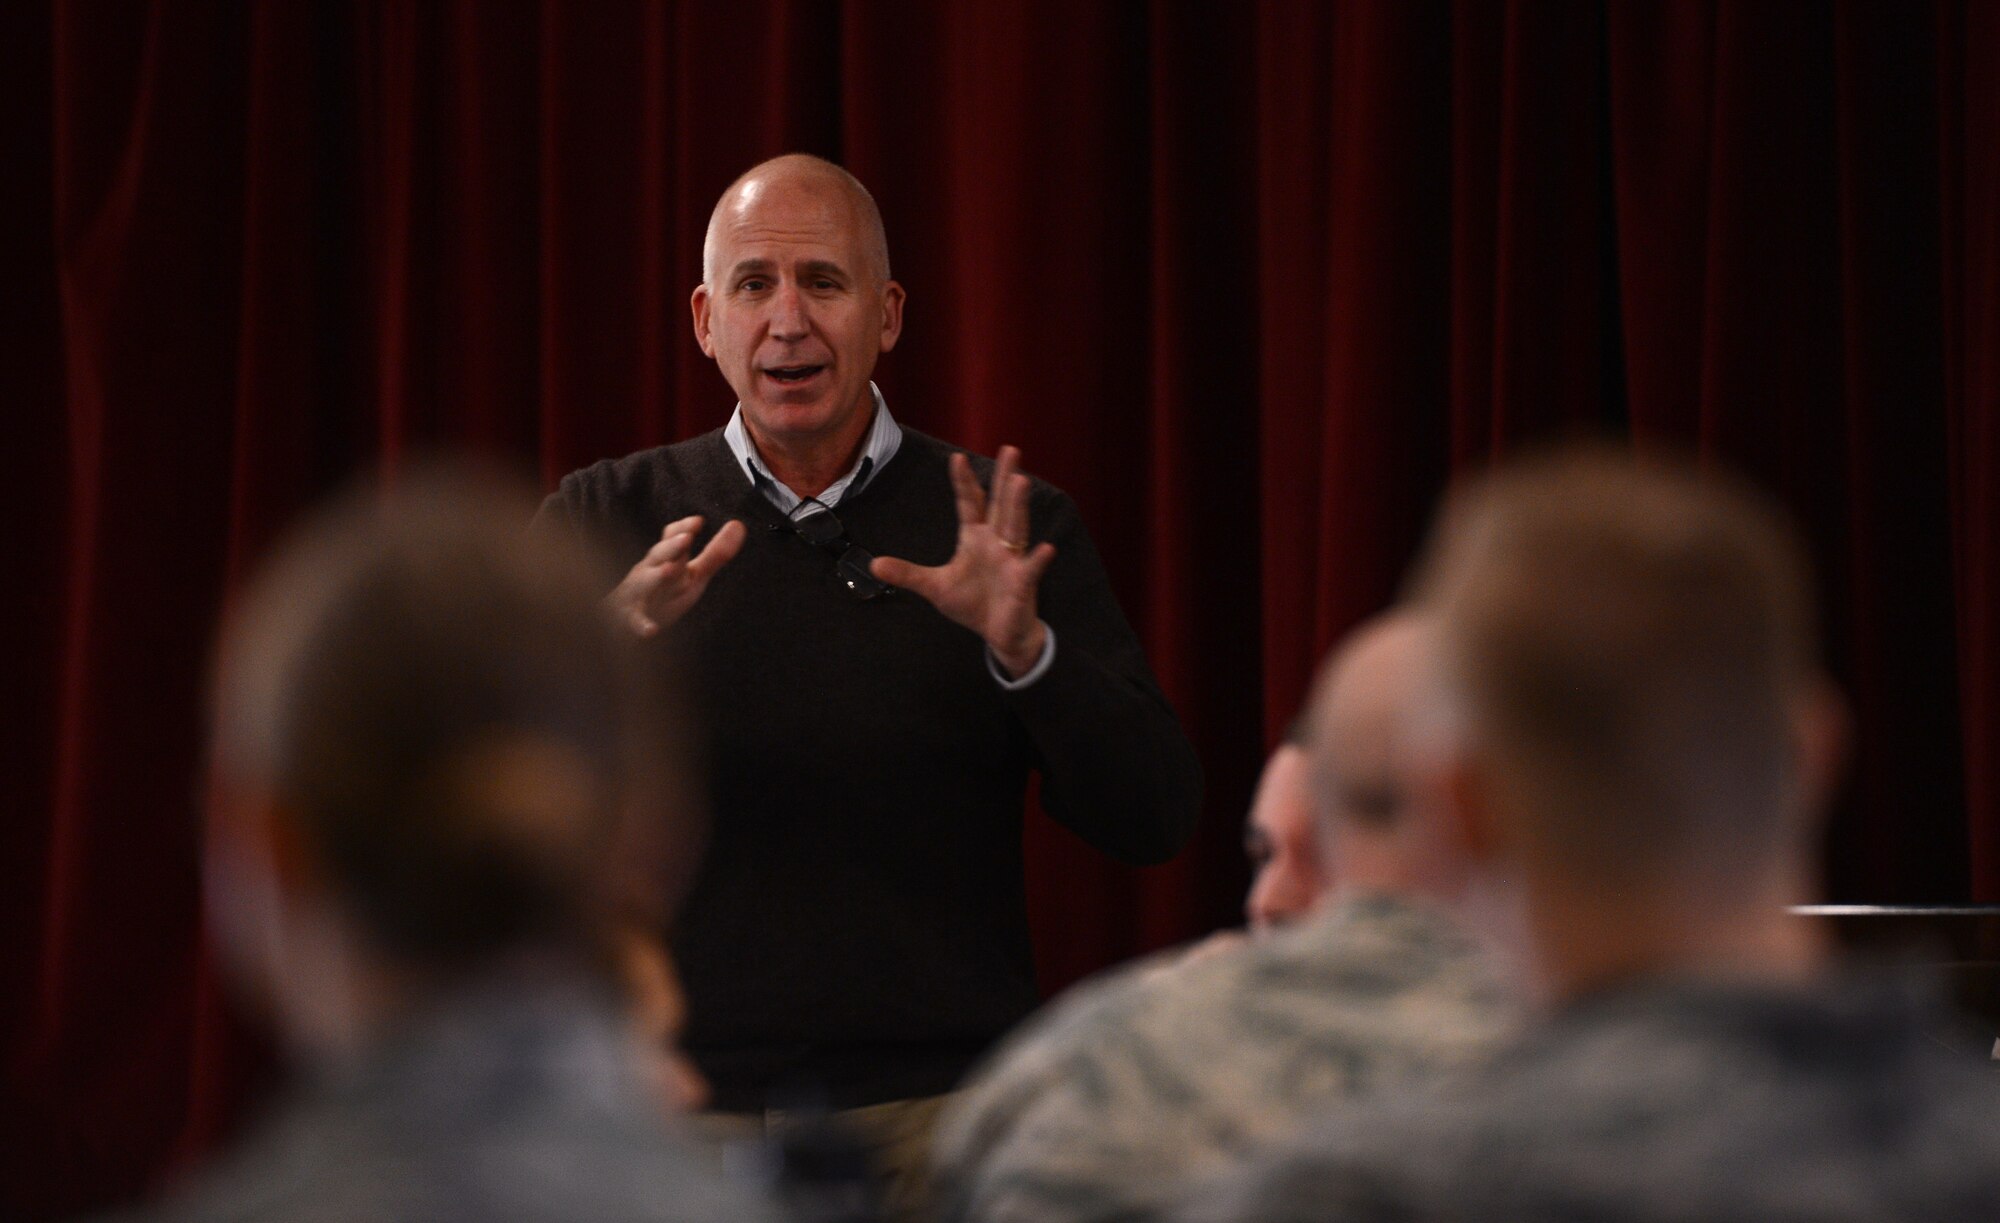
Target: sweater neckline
<point x="881" y="485"/>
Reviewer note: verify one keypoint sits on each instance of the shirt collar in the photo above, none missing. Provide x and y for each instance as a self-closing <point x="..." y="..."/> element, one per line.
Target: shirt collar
<point x="884" y="436"/>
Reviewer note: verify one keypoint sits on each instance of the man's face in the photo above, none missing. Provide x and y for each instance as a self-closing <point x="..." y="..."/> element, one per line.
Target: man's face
<point x="797" y="313"/>
<point x="1280" y="839"/>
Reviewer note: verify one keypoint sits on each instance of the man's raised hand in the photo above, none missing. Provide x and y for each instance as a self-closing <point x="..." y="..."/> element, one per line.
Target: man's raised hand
<point x="989" y="583"/>
<point x="665" y="582"/>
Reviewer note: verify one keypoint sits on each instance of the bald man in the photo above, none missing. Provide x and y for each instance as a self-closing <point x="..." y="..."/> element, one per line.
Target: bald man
<point x="1132" y="1086"/>
<point x="889" y="637"/>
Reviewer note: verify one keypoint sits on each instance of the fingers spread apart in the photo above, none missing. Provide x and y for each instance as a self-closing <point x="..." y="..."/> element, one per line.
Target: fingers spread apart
<point x="1003" y="483"/>
<point x="966" y="491"/>
<point x="720" y="550"/>
<point x="1003" y="505"/>
<point x="674" y="540"/>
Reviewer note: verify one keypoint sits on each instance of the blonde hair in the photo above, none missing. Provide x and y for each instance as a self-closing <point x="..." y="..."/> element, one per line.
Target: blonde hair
<point x="1630" y="637"/>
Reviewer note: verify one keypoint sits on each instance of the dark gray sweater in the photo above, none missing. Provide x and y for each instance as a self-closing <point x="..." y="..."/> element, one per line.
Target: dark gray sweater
<point x="858" y="930"/>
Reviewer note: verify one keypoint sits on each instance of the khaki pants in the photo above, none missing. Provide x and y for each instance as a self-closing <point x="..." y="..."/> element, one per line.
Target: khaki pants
<point x="897" y="1134"/>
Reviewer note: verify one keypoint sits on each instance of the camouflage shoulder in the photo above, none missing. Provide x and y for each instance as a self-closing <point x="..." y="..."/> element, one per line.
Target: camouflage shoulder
<point x="1044" y="1050"/>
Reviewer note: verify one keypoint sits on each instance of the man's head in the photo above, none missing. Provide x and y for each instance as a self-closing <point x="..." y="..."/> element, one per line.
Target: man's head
<point x="796" y="302"/>
<point x="429" y="755"/>
<point x="1630" y="710"/>
<point x="1331" y="809"/>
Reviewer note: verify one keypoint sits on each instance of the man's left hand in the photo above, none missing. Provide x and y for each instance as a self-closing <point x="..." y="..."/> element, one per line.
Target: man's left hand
<point x="989" y="583"/>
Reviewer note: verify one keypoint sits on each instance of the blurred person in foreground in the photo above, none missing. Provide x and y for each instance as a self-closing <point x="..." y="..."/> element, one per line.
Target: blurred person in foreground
<point x="437" y="774"/>
<point x="1635" y="743"/>
<point x="1151" y="1077"/>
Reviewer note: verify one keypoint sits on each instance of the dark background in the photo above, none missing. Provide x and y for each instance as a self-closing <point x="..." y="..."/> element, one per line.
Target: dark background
<point x="1251" y="282"/>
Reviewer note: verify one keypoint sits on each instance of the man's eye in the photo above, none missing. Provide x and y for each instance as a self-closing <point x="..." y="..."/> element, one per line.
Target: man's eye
<point x="753" y="285"/>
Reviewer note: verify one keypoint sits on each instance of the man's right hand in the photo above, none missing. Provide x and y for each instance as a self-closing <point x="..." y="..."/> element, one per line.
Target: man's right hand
<point x="665" y="583"/>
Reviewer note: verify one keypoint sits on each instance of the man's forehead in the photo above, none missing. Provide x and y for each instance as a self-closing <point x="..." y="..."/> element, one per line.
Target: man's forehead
<point x="1285" y="784"/>
<point x="771" y="242"/>
<point x="1360" y="727"/>
<point x="802" y="261"/>
<point x="789" y="203"/>
<point x="1376" y="677"/>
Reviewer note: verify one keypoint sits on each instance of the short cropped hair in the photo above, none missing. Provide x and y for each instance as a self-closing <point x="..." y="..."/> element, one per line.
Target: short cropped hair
<point x="1630" y="636"/>
<point x="475" y="756"/>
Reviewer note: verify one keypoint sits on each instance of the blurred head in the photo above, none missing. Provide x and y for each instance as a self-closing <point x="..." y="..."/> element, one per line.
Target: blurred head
<point x="1282" y="843"/>
<point x="1629" y="714"/>
<point x="796" y="302"/>
<point x="1332" y="809"/>
<point x="1372" y="836"/>
<point x="432" y="753"/>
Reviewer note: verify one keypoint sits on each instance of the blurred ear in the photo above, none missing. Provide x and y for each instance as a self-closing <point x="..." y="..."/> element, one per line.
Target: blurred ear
<point x="1822" y="730"/>
<point x="237" y="823"/>
<point x="250" y="827"/>
<point x="1468" y="819"/>
<point x="244" y="898"/>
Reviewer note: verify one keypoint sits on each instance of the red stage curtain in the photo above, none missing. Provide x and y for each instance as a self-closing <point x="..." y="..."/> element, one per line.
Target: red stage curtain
<point x="1250" y="281"/>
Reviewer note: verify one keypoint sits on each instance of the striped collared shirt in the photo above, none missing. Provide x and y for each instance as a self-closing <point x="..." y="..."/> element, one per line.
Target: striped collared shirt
<point x="884" y="436"/>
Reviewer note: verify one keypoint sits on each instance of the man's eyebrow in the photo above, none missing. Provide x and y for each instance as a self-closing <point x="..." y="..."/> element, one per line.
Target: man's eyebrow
<point x="823" y="267"/>
<point x="748" y="266"/>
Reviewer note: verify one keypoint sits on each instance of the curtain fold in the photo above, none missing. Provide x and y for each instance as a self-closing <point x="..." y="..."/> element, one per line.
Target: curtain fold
<point x="1250" y="282"/>
<point x="1967" y="104"/>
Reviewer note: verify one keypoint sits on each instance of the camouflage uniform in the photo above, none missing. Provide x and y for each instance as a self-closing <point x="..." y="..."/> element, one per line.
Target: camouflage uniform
<point x="1155" y="1072"/>
<point x="524" y="1101"/>
<point x="1689" y="1102"/>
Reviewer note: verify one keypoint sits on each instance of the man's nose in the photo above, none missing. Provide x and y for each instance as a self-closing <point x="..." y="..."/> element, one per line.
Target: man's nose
<point x="788" y="314"/>
<point x="1279" y="895"/>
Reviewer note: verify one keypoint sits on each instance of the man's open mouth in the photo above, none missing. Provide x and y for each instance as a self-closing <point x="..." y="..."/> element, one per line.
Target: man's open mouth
<point x="793" y="373"/>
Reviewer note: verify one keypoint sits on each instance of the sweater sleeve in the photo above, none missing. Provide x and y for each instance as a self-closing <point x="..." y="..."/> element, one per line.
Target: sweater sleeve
<point x="563" y="512"/>
<point x="1116" y="767"/>
<point x="554" y="517"/>
<point x="598" y="508"/>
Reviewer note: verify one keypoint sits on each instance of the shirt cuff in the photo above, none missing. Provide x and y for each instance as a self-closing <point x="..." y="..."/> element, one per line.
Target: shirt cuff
<point x="1035" y="672"/>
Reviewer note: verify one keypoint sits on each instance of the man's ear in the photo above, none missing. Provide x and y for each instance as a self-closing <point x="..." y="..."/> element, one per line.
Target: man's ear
<point x="251" y="824"/>
<point x="698" y="305"/>
<point x="892" y="314"/>
<point x="254" y="865"/>
<point x="1466" y="809"/>
<point x="1822" y="729"/>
